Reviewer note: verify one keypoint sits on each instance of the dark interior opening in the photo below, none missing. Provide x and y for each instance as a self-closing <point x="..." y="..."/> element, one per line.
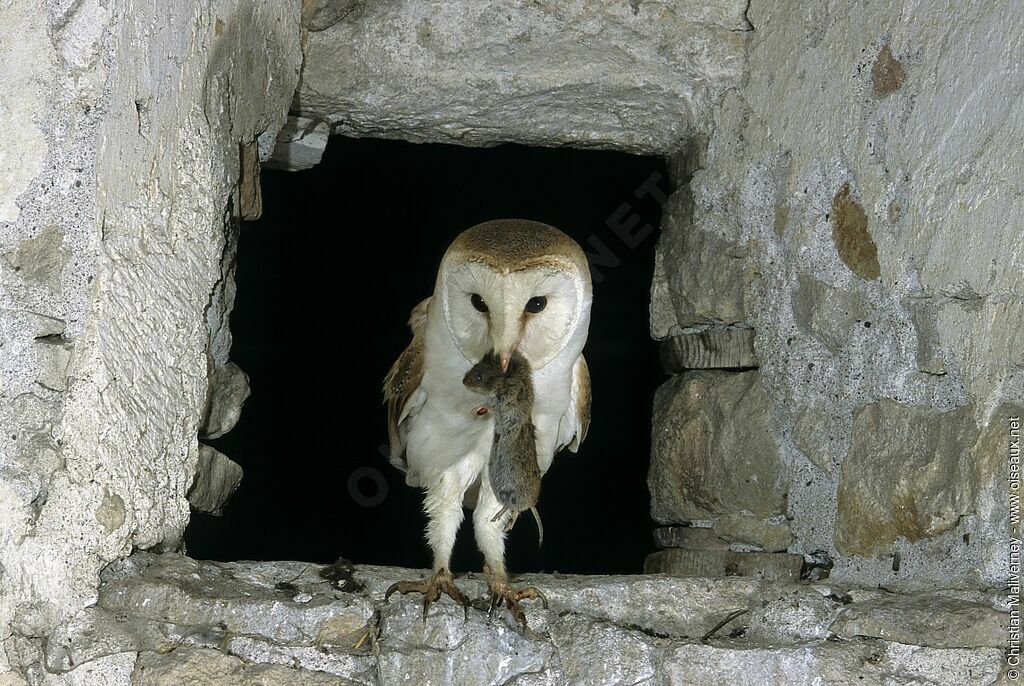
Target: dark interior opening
<point x="355" y="243"/>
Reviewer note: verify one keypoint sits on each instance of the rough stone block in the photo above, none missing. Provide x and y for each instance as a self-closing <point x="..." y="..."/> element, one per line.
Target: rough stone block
<point x="853" y="241"/>
<point x="662" y="311"/>
<point x="250" y="195"/>
<point x="217" y="478"/>
<point x="27" y="72"/>
<point x="939" y="622"/>
<point x="767" y="566"/>
<point x="300" y="144"/>
<point x="712" y="349"/>
<point x="228" y="391"/>
<point x="705" y="273"/>
<point x="454" y="651"/>
<point x="860" y="662"/>
<point x="713" y="452"/>
<point x="257" y="601"/>
<point x="771" y="536"/>
<point x="53" y="357"/>
<point x="584" y="648"/>
<point x="689" y="537"/>
<point x="930" y="357"/>
<point x="704" y="564"/>
<point x="96" y="633"/>
<point x="887" y="73"/>
<point x="41" y="259"/>
<point x="337" y="659"/>
<point x="909" y="475"/>
<point x="110" y="670"/>
<point x="720" y="563"/>
<point x="821" y="436"/>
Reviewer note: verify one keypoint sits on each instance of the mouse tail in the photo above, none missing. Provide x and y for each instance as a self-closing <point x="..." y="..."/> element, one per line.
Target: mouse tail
<point x="540" y="526"/>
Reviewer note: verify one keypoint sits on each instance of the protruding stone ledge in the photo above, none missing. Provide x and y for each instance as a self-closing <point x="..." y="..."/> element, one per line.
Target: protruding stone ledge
<point x="711" y="349"/>
<point x="300" y="144"/>
<point x="217" y="478"/>
<point x="167" y="619"/>
<point x="689" y="537"/>
<point x="720" y="563"/>
<point x="228" y="391"/>
<point x="640" y="77"/>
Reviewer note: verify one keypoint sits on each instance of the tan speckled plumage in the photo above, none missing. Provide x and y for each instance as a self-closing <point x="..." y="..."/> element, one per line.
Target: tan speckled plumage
<point x="402" y="381"/>
<point x="512" y="245"/>
<point x="581" y="398"/>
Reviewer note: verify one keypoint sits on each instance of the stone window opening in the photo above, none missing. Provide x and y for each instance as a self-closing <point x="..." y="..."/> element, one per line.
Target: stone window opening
<point x="354" y="242"/>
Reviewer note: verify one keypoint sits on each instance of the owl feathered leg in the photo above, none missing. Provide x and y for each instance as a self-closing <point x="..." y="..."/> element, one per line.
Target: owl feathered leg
<point x="490" y="538"/>
<point x="443" y="505"/>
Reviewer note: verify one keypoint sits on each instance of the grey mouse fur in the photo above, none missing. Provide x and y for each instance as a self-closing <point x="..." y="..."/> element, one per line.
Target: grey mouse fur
<point x="514" y="472"/>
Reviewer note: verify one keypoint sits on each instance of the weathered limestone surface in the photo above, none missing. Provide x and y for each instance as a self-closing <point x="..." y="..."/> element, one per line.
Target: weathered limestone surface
<point x="717" y="563"/>
<point x="166" y="620"/>
<point x="858" y="207"/>
<point x="712" y="449"/>
<point x="947" y="622"/>
<point x="633" y="76"/>
<point x="208" y="666"/>
<point x="121" y="124"/>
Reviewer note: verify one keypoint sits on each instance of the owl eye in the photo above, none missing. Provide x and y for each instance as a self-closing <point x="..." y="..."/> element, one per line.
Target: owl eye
<point x="536" y="304"/>
<point x="478" y="302"/>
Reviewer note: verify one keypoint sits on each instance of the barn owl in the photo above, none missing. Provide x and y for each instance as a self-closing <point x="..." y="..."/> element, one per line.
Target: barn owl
<point x="503" y="286"/>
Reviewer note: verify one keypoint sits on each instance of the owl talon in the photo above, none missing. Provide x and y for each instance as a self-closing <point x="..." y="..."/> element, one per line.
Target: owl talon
<point x="432" y="587"/>
<point x="501" y="592"/>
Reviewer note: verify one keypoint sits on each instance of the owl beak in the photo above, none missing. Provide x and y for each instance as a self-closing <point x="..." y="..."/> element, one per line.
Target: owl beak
<point x="505" y="354"/>
<point x="506" y="334"/>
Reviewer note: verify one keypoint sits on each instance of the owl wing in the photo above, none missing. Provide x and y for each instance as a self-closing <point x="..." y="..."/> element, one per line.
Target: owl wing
<point x="402" y="393"/>
<point x="572" y="428"/>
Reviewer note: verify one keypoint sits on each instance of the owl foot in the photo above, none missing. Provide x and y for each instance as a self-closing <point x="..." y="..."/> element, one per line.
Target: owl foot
<point x="432" y="587"/>
<point x="502" y="592"/>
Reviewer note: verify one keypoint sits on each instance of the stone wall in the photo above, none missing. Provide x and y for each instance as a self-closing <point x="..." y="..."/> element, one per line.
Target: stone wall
<point x="840" y="263"/>
<point x="857" y="204"/>
<point x="122" y="123"/>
